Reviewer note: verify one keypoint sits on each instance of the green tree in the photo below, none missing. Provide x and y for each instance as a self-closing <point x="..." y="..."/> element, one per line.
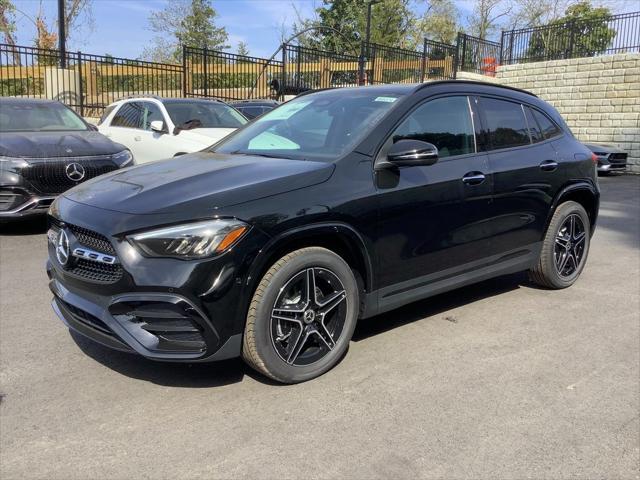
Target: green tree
<point x="439" y="22"/>
<point x="243" y="49"/>
<point x="582" y="32"/>
<point x="184" y="22"/>
<point x="8" y="21"/>
<point x="392" y="23"/>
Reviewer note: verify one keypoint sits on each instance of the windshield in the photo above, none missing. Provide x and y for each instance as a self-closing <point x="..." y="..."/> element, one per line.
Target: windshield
<point x="37" y="117"/>
<point x="319" y="126"/>
<point x="204" y="114"/>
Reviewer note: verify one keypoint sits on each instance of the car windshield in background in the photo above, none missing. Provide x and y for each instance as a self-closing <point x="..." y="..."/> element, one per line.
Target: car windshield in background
<point x="38" y="117"/>
<point x="204" y="114"/>
<point x="315" y="127"/>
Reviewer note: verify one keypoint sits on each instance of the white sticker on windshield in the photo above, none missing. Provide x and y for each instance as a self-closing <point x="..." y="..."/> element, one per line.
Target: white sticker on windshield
<point x="385" y="99"/>
<point x="285" y="111"/>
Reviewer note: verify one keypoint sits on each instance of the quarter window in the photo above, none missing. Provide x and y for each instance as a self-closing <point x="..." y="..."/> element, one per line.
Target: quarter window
<point x="505" y="123"/>
<point x="444" y="122"/>
<point x="549" y="129"/>
<point x="128" y="115"/>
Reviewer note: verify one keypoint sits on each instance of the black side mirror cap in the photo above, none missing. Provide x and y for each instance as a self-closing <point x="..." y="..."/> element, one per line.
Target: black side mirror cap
<point x="408" y="153"/>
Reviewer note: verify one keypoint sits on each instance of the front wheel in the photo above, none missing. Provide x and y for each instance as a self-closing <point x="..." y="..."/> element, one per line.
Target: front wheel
<point x="565" y="247"/>
<point x="302" y="316"/>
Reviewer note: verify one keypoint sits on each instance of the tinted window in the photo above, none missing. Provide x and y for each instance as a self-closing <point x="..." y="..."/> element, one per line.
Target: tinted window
<point x="150" y="113"/>
<point x="444" y="122"/>
<point x="319" y="126"/>
<point x="505" y="123"/>
<point x="128" y="115"/>
<point x="534" y="128"/>
<point x="549" y="129"/>
<point x="38" y="116"/>
<point x="250" y="112"/>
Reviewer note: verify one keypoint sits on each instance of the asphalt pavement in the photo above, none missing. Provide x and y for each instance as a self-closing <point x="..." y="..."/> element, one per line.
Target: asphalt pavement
<point x="500" y="380"/>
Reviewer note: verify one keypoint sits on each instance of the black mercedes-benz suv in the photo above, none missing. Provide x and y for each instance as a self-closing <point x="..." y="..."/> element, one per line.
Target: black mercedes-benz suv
<point x="45" y="149"/>
<point x="335" y="206"/>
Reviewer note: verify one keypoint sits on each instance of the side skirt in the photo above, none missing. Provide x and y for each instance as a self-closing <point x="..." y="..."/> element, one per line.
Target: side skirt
<point x="397" y="295"/>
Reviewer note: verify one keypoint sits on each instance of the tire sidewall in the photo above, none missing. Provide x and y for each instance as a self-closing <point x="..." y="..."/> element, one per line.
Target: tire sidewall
<point x="562" y="213"/>
<point x="314" y="257"/>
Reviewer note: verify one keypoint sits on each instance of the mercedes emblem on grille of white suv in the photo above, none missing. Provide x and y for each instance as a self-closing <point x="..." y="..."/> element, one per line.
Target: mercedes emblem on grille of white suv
<point x="62" y="248"/>
<point x="75" y="172"/>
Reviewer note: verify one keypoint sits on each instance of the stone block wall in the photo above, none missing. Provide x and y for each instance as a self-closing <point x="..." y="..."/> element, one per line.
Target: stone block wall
<point x="599" y="97"/>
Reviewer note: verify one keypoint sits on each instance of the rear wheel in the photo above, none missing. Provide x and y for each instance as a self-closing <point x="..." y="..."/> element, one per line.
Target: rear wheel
<point x="565" y="247"/>
<point x="302" y="316"/>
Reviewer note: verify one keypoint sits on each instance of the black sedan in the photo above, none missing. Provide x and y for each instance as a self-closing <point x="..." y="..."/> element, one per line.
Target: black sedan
<point x="45" y="149"/>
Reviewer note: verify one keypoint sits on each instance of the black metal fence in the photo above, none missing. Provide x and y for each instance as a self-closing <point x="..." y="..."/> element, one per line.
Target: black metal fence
<point x="87" y="82"/>
<point x="212" y="73"/>
<point x="477" y="55"/>
<point x="440" y="60"/>
<point x="393" y="65"/>
<point x="615" y="34"/>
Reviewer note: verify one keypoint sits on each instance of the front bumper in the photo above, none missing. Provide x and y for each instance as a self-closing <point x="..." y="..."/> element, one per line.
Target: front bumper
<point x="160" y="308"/>
<point x="615" y="162"/>
<point x="18" y="203"/>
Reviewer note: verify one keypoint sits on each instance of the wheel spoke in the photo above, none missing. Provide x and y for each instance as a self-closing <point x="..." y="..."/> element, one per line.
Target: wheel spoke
<point x="572" y="226"/>
<point x="331" y="301"/>
<point x="563" y="242"/>
<point x="325" y="336"/>
<point x="562" y="262"/>
<point x="297" y="346"/>
<point x="310" y="287"/>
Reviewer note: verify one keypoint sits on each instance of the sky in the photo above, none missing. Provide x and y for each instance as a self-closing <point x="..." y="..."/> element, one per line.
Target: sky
<point x="121" y="27"/>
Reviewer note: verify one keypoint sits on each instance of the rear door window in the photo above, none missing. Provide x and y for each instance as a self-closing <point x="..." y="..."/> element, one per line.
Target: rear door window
<point x="443" y="122"/>
<point x="128" y="115"/>
<point x="505" y="123"/>
<point x="150" y="113"/>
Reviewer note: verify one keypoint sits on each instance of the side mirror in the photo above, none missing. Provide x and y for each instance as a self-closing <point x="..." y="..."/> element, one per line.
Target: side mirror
<point x="157" y="126"/>
<point x="408" y="153"/>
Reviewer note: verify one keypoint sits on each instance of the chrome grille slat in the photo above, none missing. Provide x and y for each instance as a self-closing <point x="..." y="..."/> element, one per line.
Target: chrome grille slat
<point x="48" y="176"/>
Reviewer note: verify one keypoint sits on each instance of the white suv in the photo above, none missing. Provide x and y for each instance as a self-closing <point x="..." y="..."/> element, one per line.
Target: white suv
<point x="155" y="128"/>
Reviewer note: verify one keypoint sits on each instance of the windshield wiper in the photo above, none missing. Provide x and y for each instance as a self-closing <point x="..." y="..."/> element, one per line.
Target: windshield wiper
<point x="266" y="155"/>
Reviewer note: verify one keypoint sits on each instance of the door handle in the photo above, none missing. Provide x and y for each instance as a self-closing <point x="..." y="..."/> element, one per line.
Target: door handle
<point x="473" y="178"/>
<point x="548" y="165"/>
<point x="138" y="138"/>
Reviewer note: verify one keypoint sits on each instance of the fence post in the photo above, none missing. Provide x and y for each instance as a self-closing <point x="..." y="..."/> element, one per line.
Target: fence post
<point x="205" y="82"/>
<point x="284" y="71"/>
<point x="572" y="30"/>
<point x="80" y="95"/>
<point x="501" y="47"/>
<point x="424" y="60"/>
<point x="184" y="70"/>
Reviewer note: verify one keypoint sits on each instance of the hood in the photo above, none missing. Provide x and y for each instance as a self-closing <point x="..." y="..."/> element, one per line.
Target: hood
<point x="205" y="136"/>
<point x="198" y="182"/>
<point x="603" y="147"/>
<point x="56" y="144"/>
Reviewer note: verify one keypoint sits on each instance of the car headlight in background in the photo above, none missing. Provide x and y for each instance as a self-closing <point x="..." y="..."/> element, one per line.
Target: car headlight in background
<point x="11" y="163"/>
<point x="123" y="158"/>
<point x="191" y="240"/>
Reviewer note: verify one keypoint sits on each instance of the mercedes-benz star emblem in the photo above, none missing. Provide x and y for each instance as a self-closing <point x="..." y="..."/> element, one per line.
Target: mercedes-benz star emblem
<point x="75" y="172"/>
<point x="62" y="248"/>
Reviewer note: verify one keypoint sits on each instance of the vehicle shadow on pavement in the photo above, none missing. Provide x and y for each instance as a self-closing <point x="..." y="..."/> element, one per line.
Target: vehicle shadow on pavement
<point x="186" y="375"/>
<point x="434" y="306"/>
<point x="24" y="226"/>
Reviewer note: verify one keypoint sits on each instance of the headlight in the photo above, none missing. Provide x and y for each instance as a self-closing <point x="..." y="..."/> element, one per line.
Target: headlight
<point x="192" y="240"/>
<point x="123" y="158"/>
<point x="11" y="163"/>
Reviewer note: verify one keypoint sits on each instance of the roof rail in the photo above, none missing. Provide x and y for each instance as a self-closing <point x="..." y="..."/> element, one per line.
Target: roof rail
<point x="141" y="95"/>
<point x="475" y="82"/>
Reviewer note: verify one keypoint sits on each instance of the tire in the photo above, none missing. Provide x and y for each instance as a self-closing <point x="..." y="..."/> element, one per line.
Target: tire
<point x="558" y="246"/>
<point x="269" y="344"/>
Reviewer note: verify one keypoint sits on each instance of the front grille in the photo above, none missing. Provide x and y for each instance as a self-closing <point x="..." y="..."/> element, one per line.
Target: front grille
<point x="618" y="158"/>
<point x="97" y="272"/>
<point x="49" y="176"/>
<point x="88" y="238"/>
<point x="85" y="317"/>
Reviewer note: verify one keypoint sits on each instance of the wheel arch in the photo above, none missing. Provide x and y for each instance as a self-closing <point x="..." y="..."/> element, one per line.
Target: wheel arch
<point x="338" y="237"/>
<point x="584" y="193"/>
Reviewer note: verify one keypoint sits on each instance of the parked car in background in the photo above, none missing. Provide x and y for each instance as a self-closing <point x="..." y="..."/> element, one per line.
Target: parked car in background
<point x="254" y="108"/>
<point x="337" y="205"/>
<point x="610" y="157"/>
<point x="155" y="128"/>
<point x="45" y="149"/>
